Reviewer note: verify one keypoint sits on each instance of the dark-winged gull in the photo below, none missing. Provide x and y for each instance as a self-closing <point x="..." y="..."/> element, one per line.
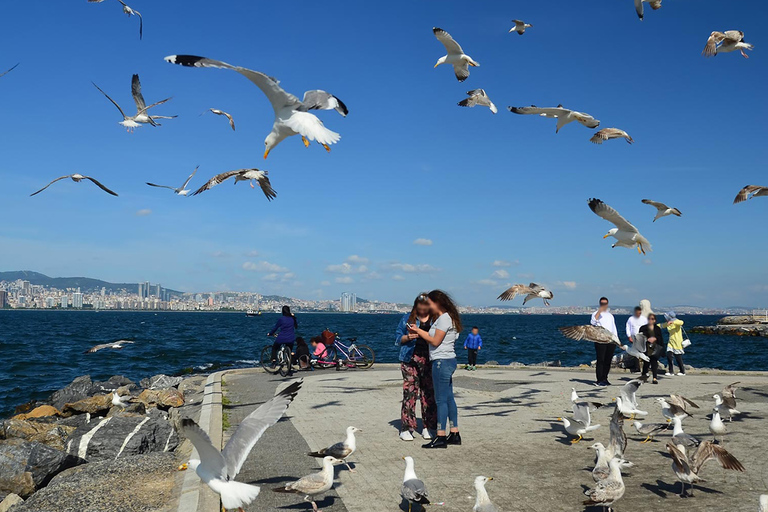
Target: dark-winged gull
<point x="141" y="116"/>
<point x="520" y="26"/>
<point x="649" y="430"/>
<point x="671" y="410"/>
<point x="682" y="402"/>
<point x="413" y="490"/>
<point x="314" y="484"/>
<point x="292" y="115"/>
<point x="455" y="55"/>
<point x="626" y="234"/>
<point x="532" y="291"/>
<point x="655" y="5"/>
<point x="687" y="468"/>
<point x="340" y="450"/>
<point x="662" y="210"/>
<point x="600" y="335"/>
<point x="617" y="443"/>
<point x="225" y="114"/>
<point x="130" y="12"/>
<point x="563" y="115"/>
<point x="749" y="192"/>
<point x="77" y="178"/>
<point x="478" y="97"/>
<point x="609" y="490"/>
<point x="242" y="175"/>
<point x="482" y="501"/>
<point x="219" y="469"/>
<point x="728" y="399"/>
<point x="681" y="439"/>
<point x="182" y="190"/>
<point x="724" y="42"/>
<point x="610" y="133"/>
<point x="6" y="72"/>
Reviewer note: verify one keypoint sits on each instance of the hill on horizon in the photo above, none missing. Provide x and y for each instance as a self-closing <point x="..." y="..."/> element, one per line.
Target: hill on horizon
<point x="86" y="284"/>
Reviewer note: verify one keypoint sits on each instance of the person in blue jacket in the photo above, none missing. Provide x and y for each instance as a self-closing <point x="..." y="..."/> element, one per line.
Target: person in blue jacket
<point x="472" y="344"/>
<point x="285" y="328"/>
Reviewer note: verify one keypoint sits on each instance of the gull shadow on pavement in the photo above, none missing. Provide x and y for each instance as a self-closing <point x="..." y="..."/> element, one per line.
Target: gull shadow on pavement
<point x="555" y="427"/>
<point x="584" y="381"/>
<point x="332" y="403"/>
<point x="327" y="501"/>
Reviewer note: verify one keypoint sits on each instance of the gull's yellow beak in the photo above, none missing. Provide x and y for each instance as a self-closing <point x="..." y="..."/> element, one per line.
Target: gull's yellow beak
<point x="183" y="467"/>
<point x="559" y="419"/>
<point x="613" y="399"/>
<point x="490" y="478"/>
<point x="606" y="236"/>
<point x="436" y="66"/>
<point x="266" y="153"/>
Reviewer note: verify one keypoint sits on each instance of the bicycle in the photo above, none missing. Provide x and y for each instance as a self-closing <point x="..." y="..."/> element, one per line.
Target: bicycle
<point x="351" y="356"/>
<point x="283" y="362"/>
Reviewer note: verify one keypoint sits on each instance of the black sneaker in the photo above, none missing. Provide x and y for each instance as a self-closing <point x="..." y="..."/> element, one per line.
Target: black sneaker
<point x="453" y="438"/>
<point x="437" y="442"/>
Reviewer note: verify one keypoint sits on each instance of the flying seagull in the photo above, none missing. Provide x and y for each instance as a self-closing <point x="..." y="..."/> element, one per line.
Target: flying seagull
<point x="563" y="115"/>
<point x="520" y="26"/>
<point x="242" y="175"/>
<point x="478" y="97"/>
<point x="6" y="72"/>
<point x="655" y="5"/>
<point x="219" y="469"/>
<point x="687" y="469"/>
<point x="311" y="485"/>
<point x="611" y="133"/>
<point x="749" y="192"/>
<point x="225" y="114"/>
<point x="141" y="116"/>
<point x="340" y="450"/>
<point x="115" y="345"/>
<point x="292" y="115"/>
<point x="130" y="12"/>
<point x="413" y="490"/>
<point x="455" y="57"/>
<point x="77" y="178"/>
<point x="724" y="42"/>
<point x="600" y="335"/>
<point x="182" y="190"/>
<point x="532" y="291"/>
<point x="662" y="209"/>
<point x="626" y="234"/>
<point x="482" y="501"/>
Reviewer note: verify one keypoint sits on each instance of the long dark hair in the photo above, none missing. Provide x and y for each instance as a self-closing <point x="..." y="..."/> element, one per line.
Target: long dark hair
<point x="420" y="299"/>
<point x="287" y="312"/>
<point x="445" y="301"/>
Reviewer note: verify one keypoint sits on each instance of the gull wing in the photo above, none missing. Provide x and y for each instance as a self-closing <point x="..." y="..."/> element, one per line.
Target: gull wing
<point x="159" y="186"/>
<point x="679" y="458"/>
<point x="550" y="112"/>
<point x="215" y="181"/>
<point x="681" y="401"/>
<point x="610" y="133"/>
<point x="707" y="451"/>
<point x="130" y="12"/>
<point x="606" y="212"/>
<point x="309" y="484"/>
<point x="225" y="114"/>
<point x="511" y="293"/>
<point x="337" y="450"/>
<point x="154" y="105"/>
<point x="748" y="191"/>
<point x="628" y="391"/>
<point x="593" y="333"/>
<point x="266" y="187"/>
<point x="268" y="85"/>
<point x="451" y="46"/>
<point x="710" y="49"/>
<point x="137" y="96"/>
<point x="190" y="178"/>
<point x="6" y="72"/>
<point x="48" y="185"/>
<point x="321" y="100"/>
<point x="639" y="9"/>
<point x="618" y="438"/>
<point x="210" y="458"/>
<point x="253" y="426"/>
<point x="586" y="119"/>
<point x="659" y="206"/>
<point x="734" y="35"/>
<point x="311" y="127"/>
<point x="98" y="184"/>
<point x="729" y="395"/>
<point x="581" y="413"/>
<point x="415" y="491"/>
<point x="110" y="99"/>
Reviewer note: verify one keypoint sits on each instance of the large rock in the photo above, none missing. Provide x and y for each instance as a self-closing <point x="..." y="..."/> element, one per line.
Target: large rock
<point x="9" y="501"/>
<point x="115" y="382"/>
<point x="27" y="466"/>
<point x="160" y="382"/>
<point x="50" y="434"/>
<point x="93" y="405"/>
<point x="81" y="387"/>
<point x="42" y="411"/>
<point x="162" y="398"/>
<point x="734" y="320"/>
<point x="120" y="436"/>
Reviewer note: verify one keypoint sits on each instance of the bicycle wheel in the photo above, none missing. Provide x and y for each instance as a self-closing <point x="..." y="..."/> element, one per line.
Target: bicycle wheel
<point x="362" y="356"/>
<point x="284" y="361"/>
<point x="328" y="359"/>
<point x="266" y="360"/>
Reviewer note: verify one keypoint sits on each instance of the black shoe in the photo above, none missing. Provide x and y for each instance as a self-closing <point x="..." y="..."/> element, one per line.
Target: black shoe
<point x="606" y="383"/>
<point x="453" y="438"/>
<point x="437" y="442"/>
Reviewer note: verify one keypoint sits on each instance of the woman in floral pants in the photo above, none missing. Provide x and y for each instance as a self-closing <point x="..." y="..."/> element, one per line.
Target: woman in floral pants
<point x="417" y="372"/>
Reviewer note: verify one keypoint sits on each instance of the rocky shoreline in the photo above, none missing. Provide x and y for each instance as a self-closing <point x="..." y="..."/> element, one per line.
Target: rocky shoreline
<point x="735" y="326"/>
<point x="81" y="450"/>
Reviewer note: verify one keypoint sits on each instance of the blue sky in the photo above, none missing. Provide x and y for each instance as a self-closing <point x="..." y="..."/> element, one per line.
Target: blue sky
<point x="410" y="164"/>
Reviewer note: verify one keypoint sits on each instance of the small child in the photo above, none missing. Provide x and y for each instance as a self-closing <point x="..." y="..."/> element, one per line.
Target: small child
<point x="472" y="344"/>
<point x="318" y="347"/>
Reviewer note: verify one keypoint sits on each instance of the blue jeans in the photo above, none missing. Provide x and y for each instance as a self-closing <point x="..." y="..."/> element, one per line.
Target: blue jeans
<point x="442" y="377"/>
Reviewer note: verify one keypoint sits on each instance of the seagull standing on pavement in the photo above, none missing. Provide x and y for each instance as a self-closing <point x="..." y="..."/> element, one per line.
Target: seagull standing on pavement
<point x="413" y="490"/>
<point x="314" y="484"/>
<point x="340" y="450"/>
<point x="687" y="468"/>
<point x="482" y="501"/>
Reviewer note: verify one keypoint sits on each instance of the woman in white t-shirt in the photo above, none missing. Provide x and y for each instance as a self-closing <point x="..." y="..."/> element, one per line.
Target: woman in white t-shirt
<point x="441" y="338"/>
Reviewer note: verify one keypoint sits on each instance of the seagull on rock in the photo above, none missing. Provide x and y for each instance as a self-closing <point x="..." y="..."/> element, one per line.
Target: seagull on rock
<point x="478" y="97"/>
<point x="610" y="133"/>
<point x="340" y="450"/>
<point x="532" y="291"/>
<point x="655" y="5"/>
<point x="182" y="190"/>
<point x="749" y="192"/>
<point x="662" y="209"/>
<point x="130" y="12"/>
<point x="219" y="469"/>
<point x="141" y="116"/>
<point x="292" y="115"/>
<point x="626" y="234"/>
<point x="413" y="490"/>
<point x="724" y="42"/>
<point x="314" y="484"/>
<point x="242" y="175"/>
<point x="563" y="115"/>
<point x="77" y="178"/>
<point x="455" y="57"/>
<point x="520" y="26"/>
<point x="120" y="401"/>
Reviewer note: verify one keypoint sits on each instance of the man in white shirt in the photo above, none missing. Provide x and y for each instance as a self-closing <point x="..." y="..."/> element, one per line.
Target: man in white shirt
<point x="604" y="351"/>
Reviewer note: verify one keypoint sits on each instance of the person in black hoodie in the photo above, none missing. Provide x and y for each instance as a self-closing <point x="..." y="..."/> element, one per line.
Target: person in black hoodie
<point x="654" y="346"/>
<point x="301" y="355"/>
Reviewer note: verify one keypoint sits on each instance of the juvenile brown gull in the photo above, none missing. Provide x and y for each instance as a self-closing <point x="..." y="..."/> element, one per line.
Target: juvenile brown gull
<point x="340" y="450"/>
<point x="724" y="42"/>
<point x="141" y="116"/>
<point x="749" y="192"/>
<point x="600" y="335"/>
<point x="609" y="490"/>
<point x="182" y="190"/>
<point x="671" y="410"/>
<point x="413" y="490"/>
<point x="662" y="210"/>
<point x="610" y="133"/>
<point x="626" y="234"/>
<point x="77" y="178"/>
<point x="563" y="115"/>
<point x="520" y="26"/>
<point x="478" y="97"/>
<point x="242" y="175"/>
<point x="687" y="468"/>
<point x="314" y="484"/>
<point x="602" y="469"/>
<point x="455" y="56"/>
<point x="532" y="291"/>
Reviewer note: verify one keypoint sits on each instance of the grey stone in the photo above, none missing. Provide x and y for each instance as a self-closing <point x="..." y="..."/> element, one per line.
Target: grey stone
<point x="160" y="381"/>
<point x="114" y="382"/>
<point x="81" y="387"/>
<point x="106" y="443"/>
<point x="27" y="466"/>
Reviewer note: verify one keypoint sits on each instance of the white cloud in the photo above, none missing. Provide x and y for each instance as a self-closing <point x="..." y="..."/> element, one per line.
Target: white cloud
<point x="144" y="212"/>
<point x="263" y="266"/>
<point x="345" y="280"/>
<point x="359" y="260"/>
<point x="500" y="274"/>
<point x="503" y="263"/>
<point x="398" y="277"/>
<point x="274" y="276"/>
<point x="422" y="241"/>
<point x="346" y="268"/>
<point x="413" y="269"/>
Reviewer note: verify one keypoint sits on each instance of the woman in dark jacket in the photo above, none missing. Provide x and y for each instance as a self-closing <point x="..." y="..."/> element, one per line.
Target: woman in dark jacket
<point x="285" y="328"/>
<point x="654" y="346"/>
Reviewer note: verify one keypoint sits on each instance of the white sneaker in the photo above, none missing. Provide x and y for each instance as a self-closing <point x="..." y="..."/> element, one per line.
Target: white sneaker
<point x="668" y="374"/>
<point x="425" y="434"/>
<point x="406" y="435"/>
<point x="679" y="375"/>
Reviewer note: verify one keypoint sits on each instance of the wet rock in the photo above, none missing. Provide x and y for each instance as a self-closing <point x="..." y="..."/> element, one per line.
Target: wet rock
<point x="120" y="436"/>
<point x="27" y="466"/>
<point x="81" y="387"/>
<point x="93" y="405"/>
<point x="162" y="398"/>
<point x="50" y="434"/>
<point x="160" y="382"/>
<point x="9" y="501"/>
<point x="39" y="412"/>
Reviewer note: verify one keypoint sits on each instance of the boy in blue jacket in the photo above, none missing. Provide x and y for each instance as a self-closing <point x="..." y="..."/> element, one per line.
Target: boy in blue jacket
<point x="472" y="344"/>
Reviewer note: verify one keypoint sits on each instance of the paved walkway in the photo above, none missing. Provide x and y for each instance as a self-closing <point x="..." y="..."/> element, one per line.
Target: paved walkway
<point x="507" y="420"/>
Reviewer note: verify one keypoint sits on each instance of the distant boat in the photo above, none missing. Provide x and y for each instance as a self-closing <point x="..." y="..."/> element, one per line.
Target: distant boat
<point x="251" y="312"/>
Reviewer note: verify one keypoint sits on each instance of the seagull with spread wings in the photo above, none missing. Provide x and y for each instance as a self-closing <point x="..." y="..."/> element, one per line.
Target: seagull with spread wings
<point x="292" y="116"/>
<point x="225" y="114"/>
<point x="6" y="72"/>
<point x="141" y="116"/>
<point x="725" y="402"/>
<point x="520" y="26"/>
<point x="655" y="5"/>
<point x="600" y="335"/>
<point x="478" y="97"/>
<point x="626" y="234"/>
<point x="130" y="12"/>
<point x="563" y="115"/>
<point x="77" y="178"/>
<point x="749" y="192"/>
<point x="532" y="291"/>
<point x="724" y="42"/>
<point x="662" y="209"/>
<point x="611" y="133"/>
<point x="687" y="469"/>
<point x="182" y="190"/>
<point x="455" y="55"/>
<point x="219" y="469"/>
<point x="242" y="175"/>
